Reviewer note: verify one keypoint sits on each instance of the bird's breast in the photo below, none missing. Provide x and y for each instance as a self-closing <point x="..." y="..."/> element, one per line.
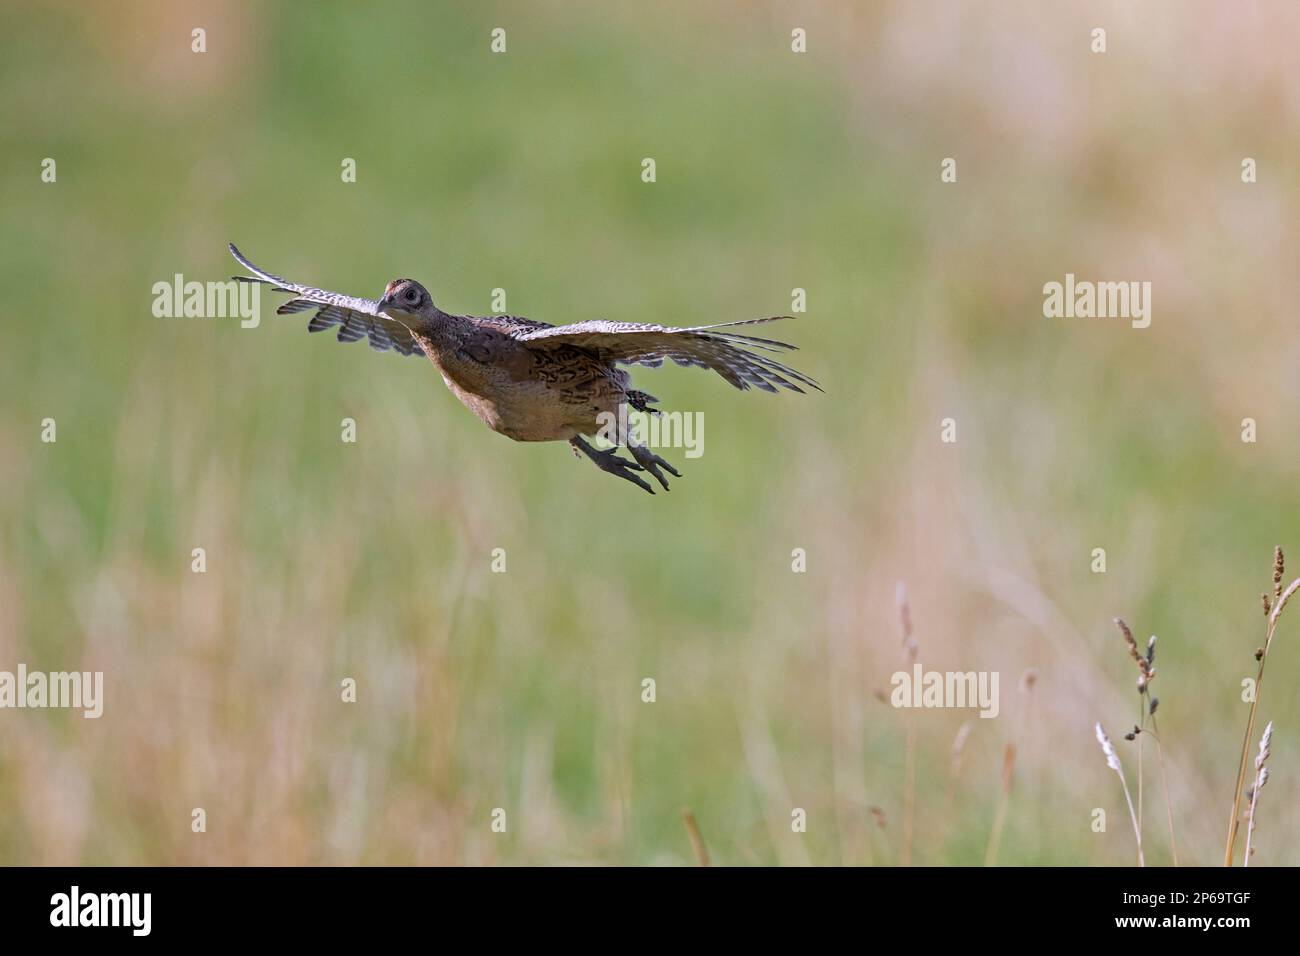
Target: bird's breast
<point x="521" y="410"/>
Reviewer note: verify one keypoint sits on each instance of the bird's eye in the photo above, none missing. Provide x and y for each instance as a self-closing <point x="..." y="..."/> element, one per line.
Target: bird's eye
<point x="412" y="295"/>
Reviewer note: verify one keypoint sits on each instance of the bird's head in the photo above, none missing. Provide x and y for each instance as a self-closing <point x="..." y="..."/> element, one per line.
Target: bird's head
<point x="405" y="295"/>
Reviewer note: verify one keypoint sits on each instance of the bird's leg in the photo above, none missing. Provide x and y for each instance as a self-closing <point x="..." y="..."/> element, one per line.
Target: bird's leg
<point x="610" y="462"/>
<point x="651" y="462"/>
<point x="640" y="451"/>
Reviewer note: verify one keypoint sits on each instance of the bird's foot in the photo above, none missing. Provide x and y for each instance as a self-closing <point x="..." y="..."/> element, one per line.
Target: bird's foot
<point x="609" y="461"/>
<point x="652" y="463"/>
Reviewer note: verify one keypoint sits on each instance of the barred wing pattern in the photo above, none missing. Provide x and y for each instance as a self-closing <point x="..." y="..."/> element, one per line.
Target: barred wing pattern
<point x="730" y="354"/>
<point x="356" y="318"/>
<point x="511" y="325"/>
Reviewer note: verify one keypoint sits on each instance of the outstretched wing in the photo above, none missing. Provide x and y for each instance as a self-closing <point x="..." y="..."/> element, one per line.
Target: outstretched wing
<point x="511" y="325"/>
<point x="356" y="318"/>
<point x="730" y="354"/>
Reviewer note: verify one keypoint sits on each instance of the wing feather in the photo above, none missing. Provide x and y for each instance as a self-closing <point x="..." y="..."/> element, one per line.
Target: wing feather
<point x="702" y="346"/>
<point x="357" y="318"/>
<point x="296" y="305"/>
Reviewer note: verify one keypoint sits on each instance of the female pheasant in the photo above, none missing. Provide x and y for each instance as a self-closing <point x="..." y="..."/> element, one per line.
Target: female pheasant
<point x="536" y="382"/>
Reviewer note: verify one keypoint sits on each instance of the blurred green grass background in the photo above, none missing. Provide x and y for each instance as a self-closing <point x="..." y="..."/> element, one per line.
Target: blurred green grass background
<point x="522" y="171"/>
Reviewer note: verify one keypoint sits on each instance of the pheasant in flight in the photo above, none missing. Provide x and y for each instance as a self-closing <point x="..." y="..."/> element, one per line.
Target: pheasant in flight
<point x="536" y="382"/>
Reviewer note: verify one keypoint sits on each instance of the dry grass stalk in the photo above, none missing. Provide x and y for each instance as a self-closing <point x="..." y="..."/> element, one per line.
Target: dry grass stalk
<point x="955" y="758"/>
<point x="909" y="791"/>
<point x="697" y="839"/>
<point x="1274" y="613"/>
<point x="910" y="648"/>
<point x="958" y="749"/>
<point x="1146" y="673"/>
<point x="1164" y="778"/>
<point x="1147" y="704"/>
<point x="999" y="819"/>
<point x="1112" y="761"/>
<point x="910" y="651"/>
<point x="1261" y="778"/>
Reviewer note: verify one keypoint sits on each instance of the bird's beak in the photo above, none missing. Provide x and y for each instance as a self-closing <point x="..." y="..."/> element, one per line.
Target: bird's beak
<point x="384" y="303"/>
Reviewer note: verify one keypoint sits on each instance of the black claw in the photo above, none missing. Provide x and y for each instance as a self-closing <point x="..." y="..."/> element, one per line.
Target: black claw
<point x="624" y="469"/>
<point x="653" y="463"/>
<point x="609" y="461"/>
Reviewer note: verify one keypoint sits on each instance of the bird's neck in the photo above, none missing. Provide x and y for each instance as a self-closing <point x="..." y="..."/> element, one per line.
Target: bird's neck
<point x="442" y="331"/>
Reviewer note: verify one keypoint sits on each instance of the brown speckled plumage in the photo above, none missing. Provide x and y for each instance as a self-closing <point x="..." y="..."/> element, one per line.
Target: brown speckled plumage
<point x="536" y="382"/>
